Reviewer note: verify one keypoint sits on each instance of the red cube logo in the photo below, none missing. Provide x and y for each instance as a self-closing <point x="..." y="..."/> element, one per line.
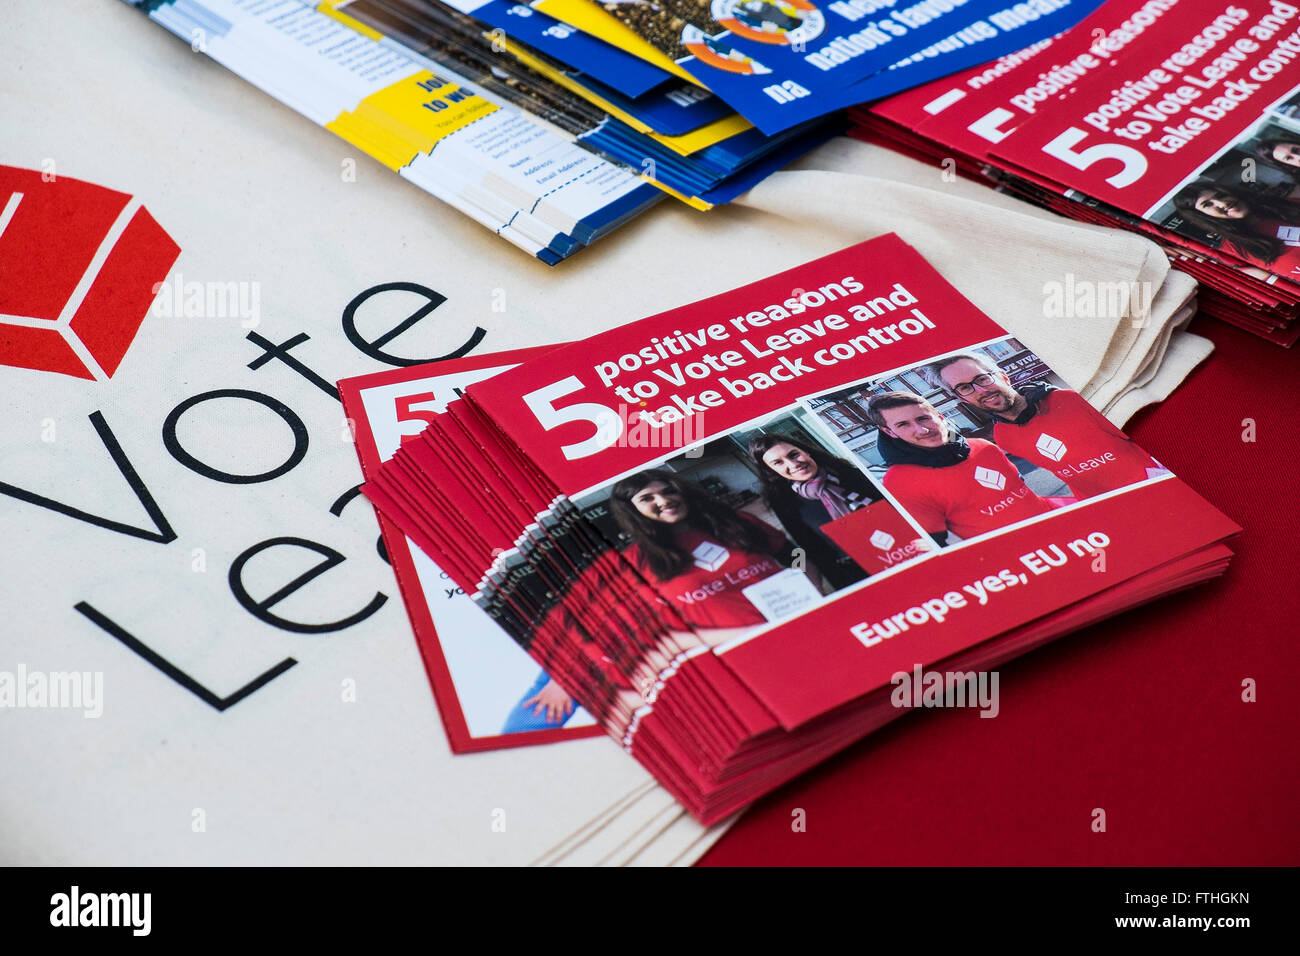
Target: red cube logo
<point x="78" y="268"/>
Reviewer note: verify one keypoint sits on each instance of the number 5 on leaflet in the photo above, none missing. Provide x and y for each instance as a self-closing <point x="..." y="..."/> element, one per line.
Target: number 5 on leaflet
<point x="609" y="424"/>
<point x="1135" y="164"/>
<point x="405" y="413"/>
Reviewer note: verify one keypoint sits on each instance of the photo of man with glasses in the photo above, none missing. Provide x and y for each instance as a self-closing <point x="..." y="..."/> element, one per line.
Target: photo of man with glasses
<point x="1054" y="428"/>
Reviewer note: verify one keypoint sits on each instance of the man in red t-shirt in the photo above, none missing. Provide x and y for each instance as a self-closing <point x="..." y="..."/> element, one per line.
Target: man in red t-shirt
<point x="945" y="481"/>
<point x="1052" y="427"/>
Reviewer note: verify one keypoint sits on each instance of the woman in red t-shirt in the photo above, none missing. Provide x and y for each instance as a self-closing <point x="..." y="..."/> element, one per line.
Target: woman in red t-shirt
<point x="700" y="553"/>
<point x="1262" y="231"/>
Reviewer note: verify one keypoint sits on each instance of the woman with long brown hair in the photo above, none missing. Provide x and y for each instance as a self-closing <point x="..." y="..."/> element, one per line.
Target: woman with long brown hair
<point x="1280" y="152"/>
<point x="1253" y="228"/>
<point x="807" y="488"/>
<point x="699" y="552"/>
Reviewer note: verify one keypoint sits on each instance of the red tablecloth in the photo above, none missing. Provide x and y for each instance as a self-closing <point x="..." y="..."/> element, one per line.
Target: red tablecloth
<point x="1141" y="716"/>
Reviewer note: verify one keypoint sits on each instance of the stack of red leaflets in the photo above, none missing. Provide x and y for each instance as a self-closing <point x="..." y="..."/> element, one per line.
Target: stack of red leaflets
<point x="1173" y="118"/>
<point x="746" y="532"/>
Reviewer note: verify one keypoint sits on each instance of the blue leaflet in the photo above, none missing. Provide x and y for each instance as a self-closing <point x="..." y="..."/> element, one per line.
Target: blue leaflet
<point x="813" y="58"/>
<point x="674" y="109"/>
<point x="748" y="155"/>
<point x="961" y="51"/>
<point x="603" y="62"/>
<point x="749" y="177"/>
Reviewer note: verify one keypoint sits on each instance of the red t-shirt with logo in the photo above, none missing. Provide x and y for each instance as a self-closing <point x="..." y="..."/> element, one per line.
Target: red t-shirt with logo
<point x="1072" y="440"/>
<point x="1287" y="263"/>
<point x="708" y="593"/>
<point x="980" y="494"/>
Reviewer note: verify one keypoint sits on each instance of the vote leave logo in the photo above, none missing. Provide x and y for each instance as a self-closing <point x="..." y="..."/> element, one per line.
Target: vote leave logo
<point x="78" y="268"/>
<point x="710" y="556"/>
<point x="1050" y="447"/>
<point x="990" y="478"/>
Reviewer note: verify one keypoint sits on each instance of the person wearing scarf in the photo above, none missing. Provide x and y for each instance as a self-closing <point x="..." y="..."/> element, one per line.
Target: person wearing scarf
<point x="948" y="483"/>
<point x="808" y="488"/>
<point x="828" y="490"/>
<point x="1053" y="428"/>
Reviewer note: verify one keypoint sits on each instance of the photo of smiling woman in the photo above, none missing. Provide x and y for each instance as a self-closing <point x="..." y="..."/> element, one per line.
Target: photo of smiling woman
<point x="1280" y="152"/>
<point x="700" y="552"/>
<point x="1253" y="228"/>
<point x="807" y="488"/>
